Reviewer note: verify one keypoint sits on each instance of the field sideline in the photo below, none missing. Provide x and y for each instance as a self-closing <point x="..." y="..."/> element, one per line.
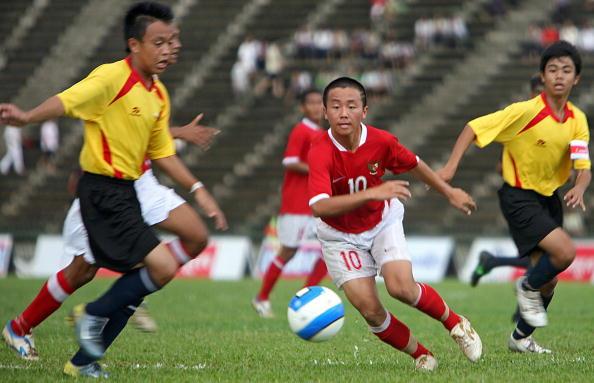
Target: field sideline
<point x="209" y="332"/>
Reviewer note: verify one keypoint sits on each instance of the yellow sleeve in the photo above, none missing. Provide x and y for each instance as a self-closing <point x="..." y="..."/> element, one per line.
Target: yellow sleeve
<point x="161" y="143"/>
<point x="582" y="133"/>
<point x="88" y="99"/>
<point x="502" y="125"/>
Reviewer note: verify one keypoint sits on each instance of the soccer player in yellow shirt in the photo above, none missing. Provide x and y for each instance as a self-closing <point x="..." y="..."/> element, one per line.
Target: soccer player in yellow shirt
<point x="543" y="139"/>
<point x="126" y="113"/>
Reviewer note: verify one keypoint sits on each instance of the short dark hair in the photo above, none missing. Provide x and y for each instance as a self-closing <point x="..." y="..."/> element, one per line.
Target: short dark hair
<point x="303" y="95"/>
<point x="346" y="82"/>
<point x="535" y="82"/>
<point x="561" y="48"/>
<point x="141" y="15"/>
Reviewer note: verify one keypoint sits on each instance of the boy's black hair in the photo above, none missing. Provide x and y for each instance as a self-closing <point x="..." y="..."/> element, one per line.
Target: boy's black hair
<point x="535" y="82"/>
<point x="346" y="82"/>
<point x="561" y="48"/>
<point x="303" y="95"/>
<point x="141" y="15"/>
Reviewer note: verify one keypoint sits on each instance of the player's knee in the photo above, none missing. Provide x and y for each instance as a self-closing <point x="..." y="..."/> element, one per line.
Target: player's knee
<point x="196" y="242"/>
<point x="404" y="293"/>
<point x="565" y="256"/>
<point x="79" y="272"/>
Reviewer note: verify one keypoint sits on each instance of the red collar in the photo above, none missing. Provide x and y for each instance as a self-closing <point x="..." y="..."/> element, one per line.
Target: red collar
<point x="567" y="113"/>
<point x="136" y="76"/>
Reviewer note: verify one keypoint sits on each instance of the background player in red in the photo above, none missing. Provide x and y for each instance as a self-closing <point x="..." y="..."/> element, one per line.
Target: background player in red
<point x="361" y="221"/>
<point x="295" y="222"/>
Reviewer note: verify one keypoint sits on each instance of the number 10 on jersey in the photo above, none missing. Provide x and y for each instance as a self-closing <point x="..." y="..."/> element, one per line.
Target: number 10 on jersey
<point x="358" y="184"/>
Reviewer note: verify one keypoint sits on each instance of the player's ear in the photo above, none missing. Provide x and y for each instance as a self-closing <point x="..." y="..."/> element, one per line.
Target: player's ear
<point x="365" y="109"/>
<point x="133" y="45"/>
<point x="325" y="115"/>
<point x="577" y="79"/>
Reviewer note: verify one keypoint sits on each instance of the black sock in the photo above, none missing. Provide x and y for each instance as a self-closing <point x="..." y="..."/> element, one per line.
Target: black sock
<point x="523" y="329"/>
<point x="114" y="327"/>
<point x="523" y="262"/>
<point x="127" y="290"/>
<point x="542" y="273"/>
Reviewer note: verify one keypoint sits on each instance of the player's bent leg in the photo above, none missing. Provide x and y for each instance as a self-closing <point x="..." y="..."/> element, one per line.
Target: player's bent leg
<point x="559" y="253"/>
<point x="401" y="285"/>
<point x="78" y="273"/>
<point x="184" y="222"/>
<point x="261" y="302"/>
<point x="362" y="294"/>
<point x="18" y="332"/>
<point x="160" y="268"/>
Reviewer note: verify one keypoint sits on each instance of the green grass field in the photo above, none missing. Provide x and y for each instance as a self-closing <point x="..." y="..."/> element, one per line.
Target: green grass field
<point x="209" y="332"/>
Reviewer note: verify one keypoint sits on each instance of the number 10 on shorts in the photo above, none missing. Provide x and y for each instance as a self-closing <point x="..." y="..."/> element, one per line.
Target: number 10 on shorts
<point x="351" y="260"/>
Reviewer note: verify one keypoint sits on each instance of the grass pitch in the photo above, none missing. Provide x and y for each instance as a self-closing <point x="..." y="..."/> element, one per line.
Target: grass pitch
<point x="209" y="332"/>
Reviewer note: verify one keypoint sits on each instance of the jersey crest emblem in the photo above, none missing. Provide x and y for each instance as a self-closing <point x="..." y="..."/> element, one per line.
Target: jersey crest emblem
<point x="373" y="167"/>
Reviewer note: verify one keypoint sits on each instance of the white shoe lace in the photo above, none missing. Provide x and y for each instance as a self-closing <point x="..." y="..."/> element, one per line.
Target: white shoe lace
<point x="532" y="346"/>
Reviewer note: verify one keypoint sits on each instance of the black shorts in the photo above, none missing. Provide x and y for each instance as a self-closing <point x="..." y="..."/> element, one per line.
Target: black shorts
<point x="530" y="216"/>
<point x="118" y="236"/>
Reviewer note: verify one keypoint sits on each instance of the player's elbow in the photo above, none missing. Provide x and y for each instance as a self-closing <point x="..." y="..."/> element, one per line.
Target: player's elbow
<point x="315" y="211"/>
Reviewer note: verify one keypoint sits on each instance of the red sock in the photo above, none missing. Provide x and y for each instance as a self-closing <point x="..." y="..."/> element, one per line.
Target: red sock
<point x="433" y="305"/>
<point x="51" y="296"/>
<point x="274" y="271"/>
<point x="318" y="273"/>
<point x="397" y="335"/>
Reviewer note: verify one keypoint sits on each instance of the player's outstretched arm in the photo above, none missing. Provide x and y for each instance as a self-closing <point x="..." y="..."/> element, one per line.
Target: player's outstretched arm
<point x="342" y="204"/>
<point x="11" y="114"/>
<point x="457" y="197"/>
<point x="299" y="167"/>
<point x="194" y="133"/>
<point x="176" y="169"/>
<point x="464" y="140"/>
<point x="575" y="196"/>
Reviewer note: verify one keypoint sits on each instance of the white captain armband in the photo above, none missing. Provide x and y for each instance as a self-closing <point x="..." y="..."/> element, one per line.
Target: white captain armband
<point x="579" y="150"/>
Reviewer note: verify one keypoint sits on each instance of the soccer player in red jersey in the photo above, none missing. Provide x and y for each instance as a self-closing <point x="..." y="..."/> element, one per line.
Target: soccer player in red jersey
<point x="295" y="222"/>
<point x="361" y="221"/>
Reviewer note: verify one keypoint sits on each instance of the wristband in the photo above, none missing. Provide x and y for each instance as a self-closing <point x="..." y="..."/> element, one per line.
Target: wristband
<point x="196" y="186"/>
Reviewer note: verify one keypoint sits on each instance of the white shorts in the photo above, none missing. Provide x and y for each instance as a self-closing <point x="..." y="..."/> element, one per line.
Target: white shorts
<point x="292" y="229"/>
<point x="350" y="256"/>
<point x="156" y="201"/>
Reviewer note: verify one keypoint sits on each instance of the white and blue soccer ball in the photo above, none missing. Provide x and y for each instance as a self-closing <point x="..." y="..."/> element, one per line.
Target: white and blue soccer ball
<point x="316" y="313"/>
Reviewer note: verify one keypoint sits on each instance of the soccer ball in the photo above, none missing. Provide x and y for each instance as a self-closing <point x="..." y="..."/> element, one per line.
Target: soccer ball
<point x="316" y="313"/>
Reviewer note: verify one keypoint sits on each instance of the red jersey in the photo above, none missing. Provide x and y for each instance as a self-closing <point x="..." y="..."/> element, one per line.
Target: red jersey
<point x="335" y="171"/>
<point x="294" y="191"/>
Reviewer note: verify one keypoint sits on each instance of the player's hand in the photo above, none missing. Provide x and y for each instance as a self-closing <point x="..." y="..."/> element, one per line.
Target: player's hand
<point x="389" y="190"/>
<point x="575" y="197"/>
<point x="11" y="114"/>
<point x="199" y="135"/>
<point x="462" y="201"/>
<point x="211" y="208"/>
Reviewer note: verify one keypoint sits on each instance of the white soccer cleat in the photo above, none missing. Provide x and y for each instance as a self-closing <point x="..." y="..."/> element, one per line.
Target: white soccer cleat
<point x="23" y="345"/>
<point x="530" y="305"/>
<point x="142" y="319"/>
<point x="468" y="340"/>
<point x="425" y="363"/>
<point x="263" y="308"/>
<point x="527" y="344"/>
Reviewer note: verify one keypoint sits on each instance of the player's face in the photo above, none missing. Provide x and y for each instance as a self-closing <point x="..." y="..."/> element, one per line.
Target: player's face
<point x="174" y="44"/>
<point x="313" y="108"/>
<point x="153" y="50"/>
<point x="559" y="76"/>
<point x="344" y="111"/>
